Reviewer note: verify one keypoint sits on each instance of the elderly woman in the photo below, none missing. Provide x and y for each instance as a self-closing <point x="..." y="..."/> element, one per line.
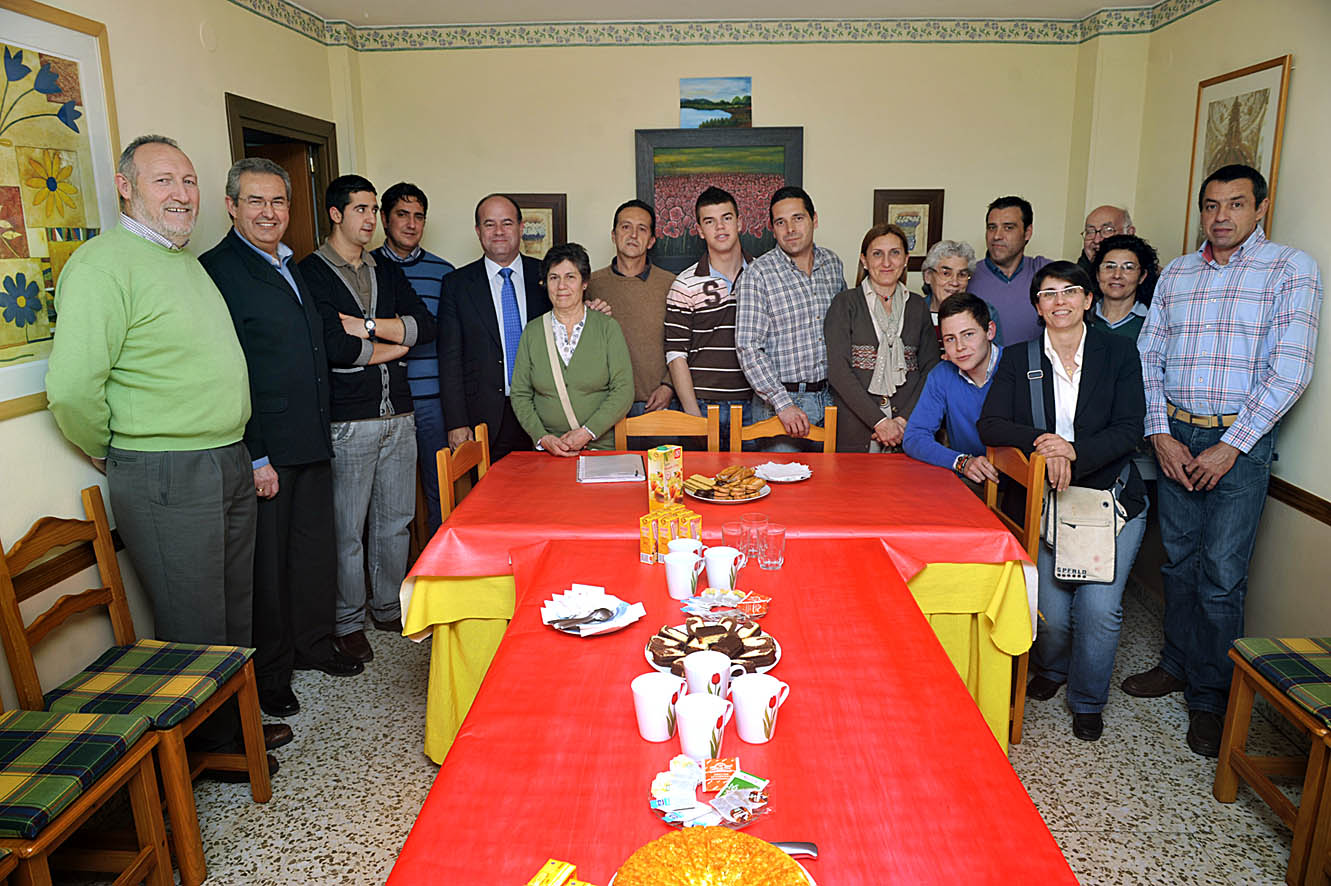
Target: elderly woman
<point x="948" y="269"/>
<point x="1125" y="269"/>
<point x="1094" y="408"/>
<point x="577" y="409"/>
<point x="880" y="347"/>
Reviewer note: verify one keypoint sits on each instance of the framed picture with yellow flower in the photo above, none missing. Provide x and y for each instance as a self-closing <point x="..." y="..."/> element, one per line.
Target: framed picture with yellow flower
<point x="58" y="142"/>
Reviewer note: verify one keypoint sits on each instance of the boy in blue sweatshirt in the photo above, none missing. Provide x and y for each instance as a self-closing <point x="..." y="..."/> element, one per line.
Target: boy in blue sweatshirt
<point x="955" y="391"/>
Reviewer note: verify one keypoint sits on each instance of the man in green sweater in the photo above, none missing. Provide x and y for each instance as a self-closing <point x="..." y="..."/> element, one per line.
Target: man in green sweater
<point x="146" y="377"/>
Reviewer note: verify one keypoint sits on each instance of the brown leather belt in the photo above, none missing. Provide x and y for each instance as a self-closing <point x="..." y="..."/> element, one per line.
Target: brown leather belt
<point x="813" y="386"/>
<point x="1200" y="421"/>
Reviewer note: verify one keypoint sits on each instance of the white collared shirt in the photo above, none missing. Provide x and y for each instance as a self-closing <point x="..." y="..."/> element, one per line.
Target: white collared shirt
<point x="989" y="371"/>
<point x="492" y="269"/>
<point x="1065" y="386"/>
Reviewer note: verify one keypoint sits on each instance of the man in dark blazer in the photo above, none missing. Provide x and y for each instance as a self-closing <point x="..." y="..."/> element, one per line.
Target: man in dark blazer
<point x="281" y="333"/>
<point x="482" y="310"/>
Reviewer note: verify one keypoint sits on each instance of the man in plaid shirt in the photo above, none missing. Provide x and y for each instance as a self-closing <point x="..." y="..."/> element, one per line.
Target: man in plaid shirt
<point x="1226" y="350"/>
<point x="783" y="297"/>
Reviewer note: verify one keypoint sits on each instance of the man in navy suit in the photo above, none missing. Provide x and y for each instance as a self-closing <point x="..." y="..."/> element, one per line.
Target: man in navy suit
<point x="482" y="310"/>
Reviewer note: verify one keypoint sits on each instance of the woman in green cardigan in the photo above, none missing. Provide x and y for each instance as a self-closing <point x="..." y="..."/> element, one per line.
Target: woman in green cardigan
<point x="592" y="359"/>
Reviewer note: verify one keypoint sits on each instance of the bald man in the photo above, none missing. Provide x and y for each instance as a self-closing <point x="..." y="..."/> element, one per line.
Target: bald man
<point x="1104" y="221"/>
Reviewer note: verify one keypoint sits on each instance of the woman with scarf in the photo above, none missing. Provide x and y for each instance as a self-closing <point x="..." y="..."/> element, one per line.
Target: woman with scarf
<point x="880" y="347"/>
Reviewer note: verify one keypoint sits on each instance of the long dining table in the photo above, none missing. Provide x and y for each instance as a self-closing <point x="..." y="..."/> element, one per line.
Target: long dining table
<point x="966" y="572"/>
<point x="878" y="756"/>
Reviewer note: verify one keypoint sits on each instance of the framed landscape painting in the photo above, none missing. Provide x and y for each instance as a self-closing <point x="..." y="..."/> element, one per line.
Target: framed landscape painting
<point x="674" y="166"/>
<point x="919" y="213"/>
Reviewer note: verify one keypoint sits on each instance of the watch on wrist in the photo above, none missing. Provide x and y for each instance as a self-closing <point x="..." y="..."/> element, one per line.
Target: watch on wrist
<point x="369" y="327"/>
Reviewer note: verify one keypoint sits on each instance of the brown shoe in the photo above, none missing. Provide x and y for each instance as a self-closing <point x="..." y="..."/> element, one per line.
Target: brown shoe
<point x="275" y="735"/>
<point x="354" y="646"/>
<point x="1155" y="683"/>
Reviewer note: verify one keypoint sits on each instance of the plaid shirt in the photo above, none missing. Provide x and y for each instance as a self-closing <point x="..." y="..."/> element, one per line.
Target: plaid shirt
<point x="1232" y="338"/>
<point x="779" y="322"/>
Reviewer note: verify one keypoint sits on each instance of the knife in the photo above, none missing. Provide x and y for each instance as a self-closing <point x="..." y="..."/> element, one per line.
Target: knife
<point x="797" y="849"/>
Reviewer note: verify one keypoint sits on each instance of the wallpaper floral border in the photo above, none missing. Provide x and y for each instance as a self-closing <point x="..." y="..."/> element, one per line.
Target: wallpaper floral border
<point x="1138" y="20"/>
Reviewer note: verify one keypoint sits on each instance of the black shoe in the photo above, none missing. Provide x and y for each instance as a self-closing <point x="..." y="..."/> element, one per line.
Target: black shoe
<point x="1155" y="683"/>
<point x="275" y="735"/>
<point x="1041" y="688"/>
<point x="236" y="776"/>
<point x="337" y="665"/>
<point x="392" y="625"/>
<point x="1204" y="730"/>
<point x="354" y="646"/>
<point x="1088" y="727"/>
<point x="279" y="703"/>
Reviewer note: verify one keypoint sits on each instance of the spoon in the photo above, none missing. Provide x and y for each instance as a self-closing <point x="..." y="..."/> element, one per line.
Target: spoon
<point x="594" y="617"/>
<point x="793" y="849"/>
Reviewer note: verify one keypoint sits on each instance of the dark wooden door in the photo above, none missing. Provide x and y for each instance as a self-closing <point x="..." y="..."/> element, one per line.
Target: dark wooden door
<point x="302" y="231"/>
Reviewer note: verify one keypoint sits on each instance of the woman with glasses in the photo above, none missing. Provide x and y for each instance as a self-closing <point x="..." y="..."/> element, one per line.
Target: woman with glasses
<point x="1125" y="269"/>
<point x="1091" y="385"/>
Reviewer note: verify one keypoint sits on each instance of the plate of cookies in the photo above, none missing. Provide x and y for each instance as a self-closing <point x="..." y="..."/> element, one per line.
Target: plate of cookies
<point x="744" y="642"/>
<point x="735" y="484"/>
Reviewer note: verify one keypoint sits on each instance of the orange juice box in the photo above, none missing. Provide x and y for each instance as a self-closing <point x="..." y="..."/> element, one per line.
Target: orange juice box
<point x="553" y="873"/>
<point x="646" y="539"/>
<point x="694" y="526"/>
<point x="665" y="476"/>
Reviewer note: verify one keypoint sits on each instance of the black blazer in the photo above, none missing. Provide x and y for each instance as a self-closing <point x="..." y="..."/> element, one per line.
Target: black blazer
<point x="471" y="353"/>
<point x="283" y="343"/>
<point x="1108" y="422"/>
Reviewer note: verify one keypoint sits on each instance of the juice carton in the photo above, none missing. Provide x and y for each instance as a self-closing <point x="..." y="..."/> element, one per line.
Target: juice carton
<point x="646" y="539"/>
<point x="665" y="476"/>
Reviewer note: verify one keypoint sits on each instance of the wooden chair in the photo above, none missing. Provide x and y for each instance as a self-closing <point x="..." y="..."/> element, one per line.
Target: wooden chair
<point x="772" y="427"/>
<point x="1319" y="854"/>
<point x="1273" y="669"/>
<point x="1030" y="474"/>
<point x="453" y="465"/>
<point x="176" y="686"/>
<point x="62" y="768"/>
<point x="671" y="423"/>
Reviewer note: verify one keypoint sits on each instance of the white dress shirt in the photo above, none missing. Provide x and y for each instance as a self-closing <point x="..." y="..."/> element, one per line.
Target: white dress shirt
<point x="1065" y="386"/>
<point x="492" y="269"/>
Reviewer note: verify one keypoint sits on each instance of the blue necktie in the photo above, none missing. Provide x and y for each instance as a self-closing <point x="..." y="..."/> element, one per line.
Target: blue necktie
<point x="508" y="297"/>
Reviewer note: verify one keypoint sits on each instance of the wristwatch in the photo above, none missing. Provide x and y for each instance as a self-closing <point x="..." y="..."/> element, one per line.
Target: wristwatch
<point x="369" y="328"/>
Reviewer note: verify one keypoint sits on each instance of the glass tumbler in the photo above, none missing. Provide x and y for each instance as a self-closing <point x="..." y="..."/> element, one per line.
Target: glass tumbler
<point x="772" y="551"/>
<point x="753" y="524"/>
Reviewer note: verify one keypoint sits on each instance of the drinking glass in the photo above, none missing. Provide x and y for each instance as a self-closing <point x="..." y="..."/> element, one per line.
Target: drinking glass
<point x="753" y="524"/>
<point x="732" y="535"/>
<point x="772" y="550"/>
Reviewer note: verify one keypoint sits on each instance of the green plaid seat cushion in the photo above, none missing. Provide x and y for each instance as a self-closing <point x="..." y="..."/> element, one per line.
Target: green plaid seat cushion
<point x="1299" y="667"/>
<point x="165" y="682"/>
<point x="47" y="760"/>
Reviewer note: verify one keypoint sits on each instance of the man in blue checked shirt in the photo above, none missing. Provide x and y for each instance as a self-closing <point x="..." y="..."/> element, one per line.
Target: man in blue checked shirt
<point x="1226" y="350"/>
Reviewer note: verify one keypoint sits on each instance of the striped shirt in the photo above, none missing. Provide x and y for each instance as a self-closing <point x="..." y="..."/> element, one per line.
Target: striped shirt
<point x="700" y="327"/>
<point x="779" y="321"/>
<point x="425" y="272"/>
<point x="134" y="226"/>
<point x="1232" y="338"/>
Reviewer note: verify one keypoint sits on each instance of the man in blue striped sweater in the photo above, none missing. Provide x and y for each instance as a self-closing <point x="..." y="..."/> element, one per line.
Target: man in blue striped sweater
<point x="403" y="209"/>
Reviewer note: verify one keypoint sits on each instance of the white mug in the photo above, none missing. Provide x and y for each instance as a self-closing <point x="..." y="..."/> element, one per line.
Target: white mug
<point x="702" y="722"/>
<point x="654" y="698"/>
<point x="709" y="672"/>
<point x="691" y="545"/>
<point x="757" y="698"/>
<point x="723" y="564"/>
<point x="682" y="570"/>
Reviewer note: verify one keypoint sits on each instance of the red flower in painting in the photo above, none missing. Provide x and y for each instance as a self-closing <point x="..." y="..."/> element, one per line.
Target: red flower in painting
<point x="676" y="194"/>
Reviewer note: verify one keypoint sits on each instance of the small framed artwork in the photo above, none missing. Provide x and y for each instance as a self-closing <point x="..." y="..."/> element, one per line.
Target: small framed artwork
<point x="919" y="213"/>
<point x="1240" y="119"/>
<point x="544" y="222"/>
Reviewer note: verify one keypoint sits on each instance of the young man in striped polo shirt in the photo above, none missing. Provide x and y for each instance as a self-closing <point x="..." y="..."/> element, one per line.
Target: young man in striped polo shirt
<point x="700" y="316"/>
<point x="403" y="210"/>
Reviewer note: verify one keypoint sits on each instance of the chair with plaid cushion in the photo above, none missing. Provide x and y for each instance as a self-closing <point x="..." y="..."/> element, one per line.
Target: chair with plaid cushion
<point x="175" y="686"/>
<point x="56" y="770"/>
<point x="1294" y="675"/>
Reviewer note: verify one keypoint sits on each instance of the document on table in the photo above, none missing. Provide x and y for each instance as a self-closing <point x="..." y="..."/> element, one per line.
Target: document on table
<point x="611" y="469"/>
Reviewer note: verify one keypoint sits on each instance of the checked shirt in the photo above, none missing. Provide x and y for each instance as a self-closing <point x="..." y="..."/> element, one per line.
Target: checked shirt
<point x="1233" y="338"/>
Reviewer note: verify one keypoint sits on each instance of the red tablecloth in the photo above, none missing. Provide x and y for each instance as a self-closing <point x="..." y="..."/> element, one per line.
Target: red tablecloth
<point x="880" y="756"/>
<point x="922" y="513"/>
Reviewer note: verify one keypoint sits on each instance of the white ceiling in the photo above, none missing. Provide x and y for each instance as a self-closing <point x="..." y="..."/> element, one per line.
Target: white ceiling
<point x="385" y="13"/>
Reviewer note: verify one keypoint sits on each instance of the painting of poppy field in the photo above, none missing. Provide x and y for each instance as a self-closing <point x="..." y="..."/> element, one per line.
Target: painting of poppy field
<point x="680" y="164"/>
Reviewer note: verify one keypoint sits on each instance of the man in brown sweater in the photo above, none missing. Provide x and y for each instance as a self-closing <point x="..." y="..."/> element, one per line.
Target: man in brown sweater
<point x="633" y="291"/>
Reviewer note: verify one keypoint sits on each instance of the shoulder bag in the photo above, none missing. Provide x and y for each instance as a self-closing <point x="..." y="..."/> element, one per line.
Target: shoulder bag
<point x="557" y="370"/>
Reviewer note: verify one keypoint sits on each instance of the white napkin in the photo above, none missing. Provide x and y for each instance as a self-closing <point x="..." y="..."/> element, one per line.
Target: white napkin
<point x="581" y="600"/>
<point x="783" y="472"/>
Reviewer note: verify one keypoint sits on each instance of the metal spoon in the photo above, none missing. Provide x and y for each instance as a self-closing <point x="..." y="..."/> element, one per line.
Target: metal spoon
<point x="794" y="849"/>
<point x="594" y="617"/>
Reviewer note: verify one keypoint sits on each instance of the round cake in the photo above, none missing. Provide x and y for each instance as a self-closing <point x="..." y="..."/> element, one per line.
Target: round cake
<point x="706" y="856"/>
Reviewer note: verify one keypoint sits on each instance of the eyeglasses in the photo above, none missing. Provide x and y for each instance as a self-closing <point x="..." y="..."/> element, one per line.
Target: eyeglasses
<point x="1051" y="294"/>
<point x="1126" y="267"/>
<point x="260" y="202"/>
<point x="947" y="273"/>
<point x="1103" y="231"/>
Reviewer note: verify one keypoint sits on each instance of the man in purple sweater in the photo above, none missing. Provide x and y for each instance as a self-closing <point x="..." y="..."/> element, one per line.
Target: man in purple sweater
<point x="1004" y="277"/>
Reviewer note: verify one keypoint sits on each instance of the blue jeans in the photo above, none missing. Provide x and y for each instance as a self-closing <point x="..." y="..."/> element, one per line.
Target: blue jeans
<point x="812" y="402"/>
<point x="746" y="418"/>
<point x="430" y="438"/>
<point x="373" y="483"/>
<point x="1208" y="539"/>
<point x="1078" y="638"/>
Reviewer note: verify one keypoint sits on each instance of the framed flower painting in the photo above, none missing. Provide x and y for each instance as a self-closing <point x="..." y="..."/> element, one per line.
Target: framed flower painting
<point x="57" y="180"/>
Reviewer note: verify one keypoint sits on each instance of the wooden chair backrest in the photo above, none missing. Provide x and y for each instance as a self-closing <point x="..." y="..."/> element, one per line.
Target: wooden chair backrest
<point x="1029" y="473"/>
<point x="54" y="549"/>
<point x="772" y="427"/>
<point x="454" y="464"/>
<point x="670" y="423"/>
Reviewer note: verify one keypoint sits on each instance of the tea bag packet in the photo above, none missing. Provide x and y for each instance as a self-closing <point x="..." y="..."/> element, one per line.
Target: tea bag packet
<point x="740" y="808"/>
<point x="718" y="773"/>
<point x="754" y="604"/>
<point x="744" y="782"/>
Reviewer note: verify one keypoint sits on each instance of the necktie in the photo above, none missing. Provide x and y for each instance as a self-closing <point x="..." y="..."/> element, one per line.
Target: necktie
<point x="508" y="297"/>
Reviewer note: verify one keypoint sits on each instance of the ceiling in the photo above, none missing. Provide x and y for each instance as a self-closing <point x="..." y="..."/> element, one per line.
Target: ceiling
<point x="387" y="13"/>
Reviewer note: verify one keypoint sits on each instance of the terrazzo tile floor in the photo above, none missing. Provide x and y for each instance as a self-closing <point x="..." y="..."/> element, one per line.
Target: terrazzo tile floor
<point x="1133" y="808"/>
